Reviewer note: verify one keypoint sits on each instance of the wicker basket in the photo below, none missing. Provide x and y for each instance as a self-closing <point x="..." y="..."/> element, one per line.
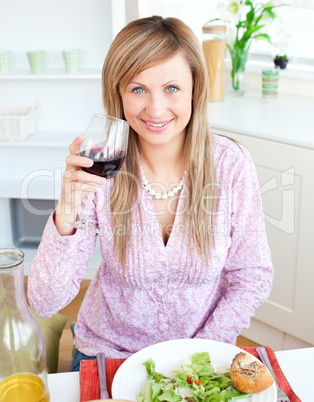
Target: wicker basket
<point x="17" y="123"/>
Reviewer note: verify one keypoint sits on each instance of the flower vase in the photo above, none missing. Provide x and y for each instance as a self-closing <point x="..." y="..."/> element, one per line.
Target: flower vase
<point x="239" y="59"/>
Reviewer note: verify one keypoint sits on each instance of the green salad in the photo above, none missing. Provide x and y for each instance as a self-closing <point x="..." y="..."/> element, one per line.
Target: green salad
<point x="193" y="382"/>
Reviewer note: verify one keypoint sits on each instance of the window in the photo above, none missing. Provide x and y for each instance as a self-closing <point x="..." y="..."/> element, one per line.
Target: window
<point x="298" y="19"/>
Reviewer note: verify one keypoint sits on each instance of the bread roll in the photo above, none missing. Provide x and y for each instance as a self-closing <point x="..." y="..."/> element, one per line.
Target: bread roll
<point x="249" y="375"/>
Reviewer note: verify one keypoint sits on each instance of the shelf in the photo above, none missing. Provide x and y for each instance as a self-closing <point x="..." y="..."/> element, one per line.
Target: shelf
<point x="56" y="139"/>
<point x="31" y="188"/>
<point x="86" y="74"/>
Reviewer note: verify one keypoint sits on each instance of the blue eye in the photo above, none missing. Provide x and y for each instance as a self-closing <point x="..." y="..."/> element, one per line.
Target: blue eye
<point x="172" y="89"/>
<point x="138" y="90"/>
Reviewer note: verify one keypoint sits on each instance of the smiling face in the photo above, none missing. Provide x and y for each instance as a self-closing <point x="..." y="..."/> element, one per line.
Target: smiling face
<point x="157" y="102"/>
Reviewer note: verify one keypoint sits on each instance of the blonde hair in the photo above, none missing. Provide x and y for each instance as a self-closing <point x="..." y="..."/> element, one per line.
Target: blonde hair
<point x="144" y="43"/>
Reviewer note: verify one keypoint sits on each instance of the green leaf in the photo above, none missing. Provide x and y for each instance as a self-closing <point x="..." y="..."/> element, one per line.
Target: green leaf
<point x="200" y="358"/>
<point x="146" y="393"/>
<point x="251" y="30"/>
<point x="214" y="19"/>
<point x="206" y="370"/>
<point x="270" y="12"/>
<point x="181" y="380"/>
<point x="151" y="373"/>
<point x="250" y="15"/>
<point x="263" y="37"/>
<point x="213" y="398"/>
<point x="170" y="396"/>
<point x="213" y="391"/>
<point x="248" y="3"/>
<point x="156" y="391"/>
<point x="232" y="395"/>
<point x="150" y="367"/>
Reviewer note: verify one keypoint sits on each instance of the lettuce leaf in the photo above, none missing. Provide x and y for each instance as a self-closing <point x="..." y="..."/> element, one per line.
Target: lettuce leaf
<point x="197" y="382"/>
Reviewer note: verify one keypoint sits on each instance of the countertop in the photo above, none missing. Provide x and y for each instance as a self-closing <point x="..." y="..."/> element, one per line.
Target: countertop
<point x="289" y="119"/>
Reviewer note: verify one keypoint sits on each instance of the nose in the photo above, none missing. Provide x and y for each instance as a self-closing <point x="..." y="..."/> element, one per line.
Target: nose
<point x="156" y="106"/>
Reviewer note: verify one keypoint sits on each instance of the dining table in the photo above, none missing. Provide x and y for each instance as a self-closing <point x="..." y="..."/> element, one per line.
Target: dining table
<point x="296" y="364"/>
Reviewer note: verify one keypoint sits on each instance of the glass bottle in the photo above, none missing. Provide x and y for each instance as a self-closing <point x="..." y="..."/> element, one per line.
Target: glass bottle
<point x="23" y="372"/>
<point x="214" y="47"/>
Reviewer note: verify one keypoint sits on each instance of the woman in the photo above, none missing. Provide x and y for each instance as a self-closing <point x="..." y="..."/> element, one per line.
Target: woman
<point x="183" y="241"/>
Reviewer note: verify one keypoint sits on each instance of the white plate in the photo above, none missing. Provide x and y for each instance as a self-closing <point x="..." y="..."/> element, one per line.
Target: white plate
<point x="131" y="375"/>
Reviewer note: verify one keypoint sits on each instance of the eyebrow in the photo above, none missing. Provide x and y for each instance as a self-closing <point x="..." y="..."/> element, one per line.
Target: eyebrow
<point x="136" y="83"/>
<point x="165" y="84"/>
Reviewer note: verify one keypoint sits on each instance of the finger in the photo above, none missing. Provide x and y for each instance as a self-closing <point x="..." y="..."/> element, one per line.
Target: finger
<point x="79" y="188"/>
<point x="76" y="144"/>
<point x="86" y="177"/>
<point x="86" y="187"/>
<point x="79" y="161"/>
<point x="83" y="177"/>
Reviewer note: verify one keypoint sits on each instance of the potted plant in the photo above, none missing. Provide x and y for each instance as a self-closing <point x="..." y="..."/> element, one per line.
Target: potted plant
<point x="281" y="61"/>
<point x="247" y="20"/>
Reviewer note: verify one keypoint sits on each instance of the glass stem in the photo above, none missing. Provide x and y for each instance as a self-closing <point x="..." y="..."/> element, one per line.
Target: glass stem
<point x="88" y="206"/>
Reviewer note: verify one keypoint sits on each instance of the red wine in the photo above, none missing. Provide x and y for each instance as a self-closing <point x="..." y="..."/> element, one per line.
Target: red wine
<point x="104" y="166"/>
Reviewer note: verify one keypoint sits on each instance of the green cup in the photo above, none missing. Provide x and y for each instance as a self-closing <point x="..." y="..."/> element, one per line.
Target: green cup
<point x="71" y="60"/>
<point x="4" y="61"/>
<point x="270" y="79"/>
<point x="36" y="61"/>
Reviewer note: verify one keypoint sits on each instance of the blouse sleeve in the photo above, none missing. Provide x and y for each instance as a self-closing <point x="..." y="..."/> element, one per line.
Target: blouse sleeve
<point x="247" y="274"/>
<point x="58" y="268"/>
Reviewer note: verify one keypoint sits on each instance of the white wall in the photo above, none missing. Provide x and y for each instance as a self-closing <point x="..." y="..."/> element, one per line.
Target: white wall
<point x="56" y="25"/>
<point x="66" y="102"/>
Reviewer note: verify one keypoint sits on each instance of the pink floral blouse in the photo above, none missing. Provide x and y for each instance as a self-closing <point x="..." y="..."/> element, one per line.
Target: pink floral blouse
<point x="167" y="292"/>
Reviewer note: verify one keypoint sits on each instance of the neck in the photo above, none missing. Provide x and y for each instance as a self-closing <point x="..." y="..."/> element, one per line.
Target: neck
<point x="162" y="159"/>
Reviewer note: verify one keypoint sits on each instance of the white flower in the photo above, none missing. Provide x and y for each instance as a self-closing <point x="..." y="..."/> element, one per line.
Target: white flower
<point x="275" y="3"/>
<point x="231" y="35"/>
<point x="279" y="35"/>
<point x="267" y="21"/>
<point x="233" y="11"/>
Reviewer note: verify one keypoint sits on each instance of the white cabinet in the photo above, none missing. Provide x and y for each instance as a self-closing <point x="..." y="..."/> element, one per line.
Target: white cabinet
<point x="286" y="180"/>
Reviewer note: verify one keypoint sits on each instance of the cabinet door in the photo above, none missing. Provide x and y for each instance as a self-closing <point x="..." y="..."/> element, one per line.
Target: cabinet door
<point x="286" y="177"/>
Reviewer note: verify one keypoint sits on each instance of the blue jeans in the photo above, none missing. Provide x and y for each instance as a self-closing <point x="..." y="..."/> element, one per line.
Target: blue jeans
<point x="77" y="357"/>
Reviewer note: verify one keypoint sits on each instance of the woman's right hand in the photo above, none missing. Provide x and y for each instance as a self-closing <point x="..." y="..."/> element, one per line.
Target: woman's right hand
<point x="75" y="187"/>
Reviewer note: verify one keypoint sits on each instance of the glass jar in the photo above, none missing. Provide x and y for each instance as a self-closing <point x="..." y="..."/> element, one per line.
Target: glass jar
<point x="214" y="47"/>
<point x="23" y="373"/>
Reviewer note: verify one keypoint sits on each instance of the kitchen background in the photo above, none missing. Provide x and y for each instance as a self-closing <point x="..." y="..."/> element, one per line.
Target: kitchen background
<point x="279" y="135"/>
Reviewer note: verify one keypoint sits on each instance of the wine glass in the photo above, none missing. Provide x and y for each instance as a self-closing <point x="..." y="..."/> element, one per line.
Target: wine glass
<point x="106" y="140"/>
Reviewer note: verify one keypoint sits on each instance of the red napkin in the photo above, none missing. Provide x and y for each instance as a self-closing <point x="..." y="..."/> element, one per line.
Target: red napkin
<point x="280" y="377"/>
<point x="89" y="382"/>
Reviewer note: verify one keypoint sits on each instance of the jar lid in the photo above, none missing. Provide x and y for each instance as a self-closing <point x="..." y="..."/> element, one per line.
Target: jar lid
<point x="212" y="28"/>
<point x="10" y="257"/>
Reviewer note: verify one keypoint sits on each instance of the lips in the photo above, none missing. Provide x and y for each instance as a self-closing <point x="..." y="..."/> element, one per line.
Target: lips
<point x="157" y="125"/>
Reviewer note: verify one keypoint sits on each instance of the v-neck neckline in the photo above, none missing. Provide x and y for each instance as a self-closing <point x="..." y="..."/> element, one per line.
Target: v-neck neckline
<point x="149" y="197"/>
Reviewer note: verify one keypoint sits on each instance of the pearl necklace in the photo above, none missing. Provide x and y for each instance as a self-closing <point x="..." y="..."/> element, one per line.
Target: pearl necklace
<point x="163" y="196"/>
